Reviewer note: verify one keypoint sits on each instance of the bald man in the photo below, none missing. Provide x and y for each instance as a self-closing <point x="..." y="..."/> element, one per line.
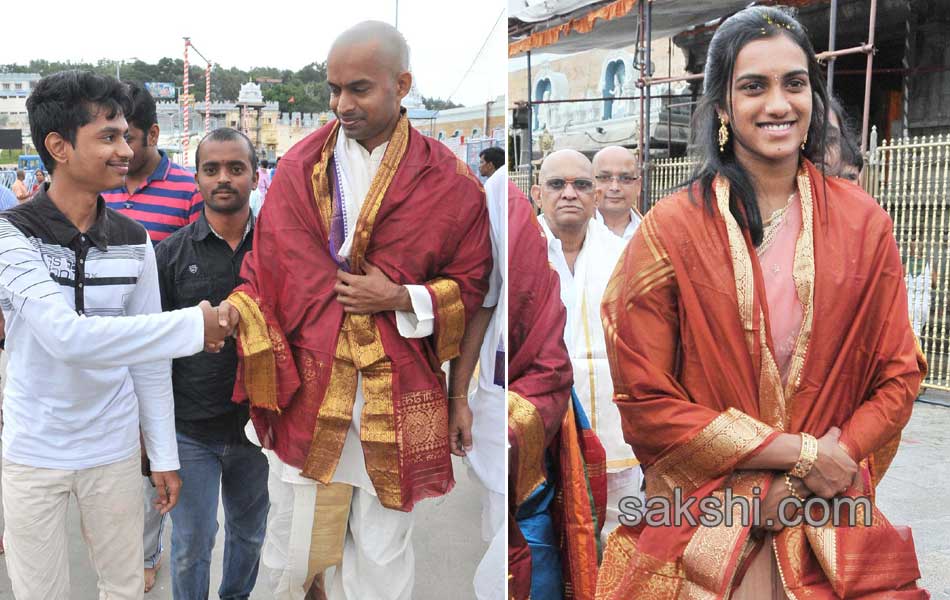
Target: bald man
<point x="617" y="178"/>
<point x="371" y="255"/>
<point x="584" y="253"/>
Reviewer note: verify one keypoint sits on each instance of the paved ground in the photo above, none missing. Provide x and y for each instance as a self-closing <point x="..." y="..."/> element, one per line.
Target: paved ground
<point x="914" y="493"/>
<point x="447" y="538"/>
<point x="915" y="490"/>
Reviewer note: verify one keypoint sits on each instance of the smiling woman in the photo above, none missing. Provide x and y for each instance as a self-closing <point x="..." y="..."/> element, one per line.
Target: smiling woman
<point x="730" y="324"/>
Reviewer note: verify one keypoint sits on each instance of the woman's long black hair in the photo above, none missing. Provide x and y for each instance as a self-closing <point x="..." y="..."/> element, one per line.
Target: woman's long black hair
<point x="750" y="24"/>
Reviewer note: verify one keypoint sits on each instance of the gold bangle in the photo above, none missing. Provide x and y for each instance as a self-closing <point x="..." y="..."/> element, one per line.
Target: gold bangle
<point x="807" y="456"/>
<point x="791" y="488"/>
<point x="459" y="397"/>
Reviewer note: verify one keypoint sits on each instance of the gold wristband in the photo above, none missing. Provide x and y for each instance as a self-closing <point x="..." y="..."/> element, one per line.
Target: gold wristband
<point x="791" y="488"/>
<point x="807" y="456"/>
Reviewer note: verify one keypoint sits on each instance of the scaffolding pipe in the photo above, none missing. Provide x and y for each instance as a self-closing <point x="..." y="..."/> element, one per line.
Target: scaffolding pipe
<point x="832" y="34"/>
<point x="530" y="126"/>
<point x="872" y="22"/>
<point x="648" y="71"/>
<point x="185" y="109"/>
<point x="640" y="84"/>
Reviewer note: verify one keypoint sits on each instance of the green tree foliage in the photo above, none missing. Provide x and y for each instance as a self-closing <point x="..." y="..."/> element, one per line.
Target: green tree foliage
<point x="306" y="87"/>
<point x="438" y="103"/>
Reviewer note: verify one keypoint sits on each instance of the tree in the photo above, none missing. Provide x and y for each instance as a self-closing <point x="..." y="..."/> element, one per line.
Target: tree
<point x="438" y="103"/>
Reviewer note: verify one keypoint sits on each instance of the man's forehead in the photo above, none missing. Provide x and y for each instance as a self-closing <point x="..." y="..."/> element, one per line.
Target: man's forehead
<point x="615" y="159"/>
<point x="224" y="151"/>
<point x="356" y="60"/>
<point x="101" y="120"/>
<point x="567" y="165"/>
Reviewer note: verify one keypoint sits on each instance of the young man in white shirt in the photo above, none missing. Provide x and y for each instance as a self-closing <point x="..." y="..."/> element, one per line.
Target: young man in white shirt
<point x="89" y="362"/>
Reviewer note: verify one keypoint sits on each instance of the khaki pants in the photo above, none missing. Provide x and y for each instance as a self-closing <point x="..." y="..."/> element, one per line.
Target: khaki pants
<point x="111" y="513"/>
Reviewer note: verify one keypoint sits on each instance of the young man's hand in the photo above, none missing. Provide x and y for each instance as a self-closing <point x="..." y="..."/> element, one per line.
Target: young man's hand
<point x="220" y="322"/>
<point x="168" y="485"/>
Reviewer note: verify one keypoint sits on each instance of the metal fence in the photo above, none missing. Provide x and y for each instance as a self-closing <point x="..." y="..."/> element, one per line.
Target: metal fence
<point x="668" y="175"/>
<point x="910" y="178"/>
<point x="521" y="178"/>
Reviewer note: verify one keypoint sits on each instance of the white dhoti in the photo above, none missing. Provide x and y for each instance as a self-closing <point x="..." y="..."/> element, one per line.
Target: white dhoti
<point x="582" y="291"/>
<point x="340" y="531"/>
<point x="486" y="459"/>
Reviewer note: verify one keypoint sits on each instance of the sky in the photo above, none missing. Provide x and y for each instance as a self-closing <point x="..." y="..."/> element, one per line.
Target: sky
<point x="444" y="36"/>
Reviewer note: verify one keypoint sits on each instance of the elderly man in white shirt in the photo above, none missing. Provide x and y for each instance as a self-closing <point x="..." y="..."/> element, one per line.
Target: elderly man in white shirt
<point x="617" y="179"/>
<point x="584" y="253"/>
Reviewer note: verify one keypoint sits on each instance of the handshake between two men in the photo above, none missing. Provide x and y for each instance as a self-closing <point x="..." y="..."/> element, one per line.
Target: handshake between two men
<point x="361" y="294"/>
<point x="221" y="322"/>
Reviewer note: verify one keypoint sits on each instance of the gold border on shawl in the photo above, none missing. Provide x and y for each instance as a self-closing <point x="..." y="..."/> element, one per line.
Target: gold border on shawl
<point x="741" y="263"/>
<point x="378" y="434"/>
<point x="257" y="351"/>
<point x="320" y="180"/>
<point x="525" y="421"/>
<point x="334" y="416"/>
<point x="377" y="190"/>
<point x="706" y="558"/>
<point x="623" y="463"/>
<point x="450" y="316"/>
<point x="823" y="543"/>
<point x="803" y="273"/>
<point x="724" y="442"/>
<point x="331" y="512"/>
<point x="771" y="398"/>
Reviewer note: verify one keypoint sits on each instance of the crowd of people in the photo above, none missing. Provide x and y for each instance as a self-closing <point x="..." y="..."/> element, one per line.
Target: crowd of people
<point x="747" y="338"/>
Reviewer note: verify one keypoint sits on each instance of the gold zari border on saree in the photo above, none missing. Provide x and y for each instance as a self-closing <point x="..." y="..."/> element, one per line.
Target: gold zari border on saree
<point x="525" y="421"/>
<point x="723" y="443"/>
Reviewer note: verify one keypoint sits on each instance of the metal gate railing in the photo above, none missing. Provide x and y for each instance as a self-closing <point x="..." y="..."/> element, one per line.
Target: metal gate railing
<point x="521" y="177"/>
<point x="910" y="178"/>
<point x="668" y="175"/>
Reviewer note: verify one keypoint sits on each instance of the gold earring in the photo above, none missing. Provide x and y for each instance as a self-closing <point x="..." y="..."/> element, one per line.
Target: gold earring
<point x="805" y="141"/>
<point x="723" y="134"/>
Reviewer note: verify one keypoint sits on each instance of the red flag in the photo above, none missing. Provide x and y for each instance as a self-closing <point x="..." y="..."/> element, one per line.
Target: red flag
<point x="291" y="100"/>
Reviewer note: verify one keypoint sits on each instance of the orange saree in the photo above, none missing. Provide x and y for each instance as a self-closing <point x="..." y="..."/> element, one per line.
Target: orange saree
<point x="699" y="391"/>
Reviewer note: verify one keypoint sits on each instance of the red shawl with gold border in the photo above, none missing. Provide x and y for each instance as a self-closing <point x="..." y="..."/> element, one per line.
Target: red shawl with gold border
<point x="424" y="221"/>
<point x="698" y="389"/>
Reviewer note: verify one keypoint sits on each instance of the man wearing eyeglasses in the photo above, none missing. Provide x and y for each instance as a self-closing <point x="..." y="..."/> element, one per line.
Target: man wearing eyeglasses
<point x="584" y="253"/>
<point x="617" y="179"/>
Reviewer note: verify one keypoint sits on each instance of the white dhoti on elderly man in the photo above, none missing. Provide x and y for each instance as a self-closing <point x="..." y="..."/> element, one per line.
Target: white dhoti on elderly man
<point x="581" y="293"/>
<point x="489" y="413"/>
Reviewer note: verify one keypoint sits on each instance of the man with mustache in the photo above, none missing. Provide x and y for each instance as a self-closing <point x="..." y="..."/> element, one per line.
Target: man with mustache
<point x="617" y="177"/>
<point x="584" y="253"/>
<point x="371" y="256"/>
<point x="162" y="196"/>
<point x="202" y="260"/>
